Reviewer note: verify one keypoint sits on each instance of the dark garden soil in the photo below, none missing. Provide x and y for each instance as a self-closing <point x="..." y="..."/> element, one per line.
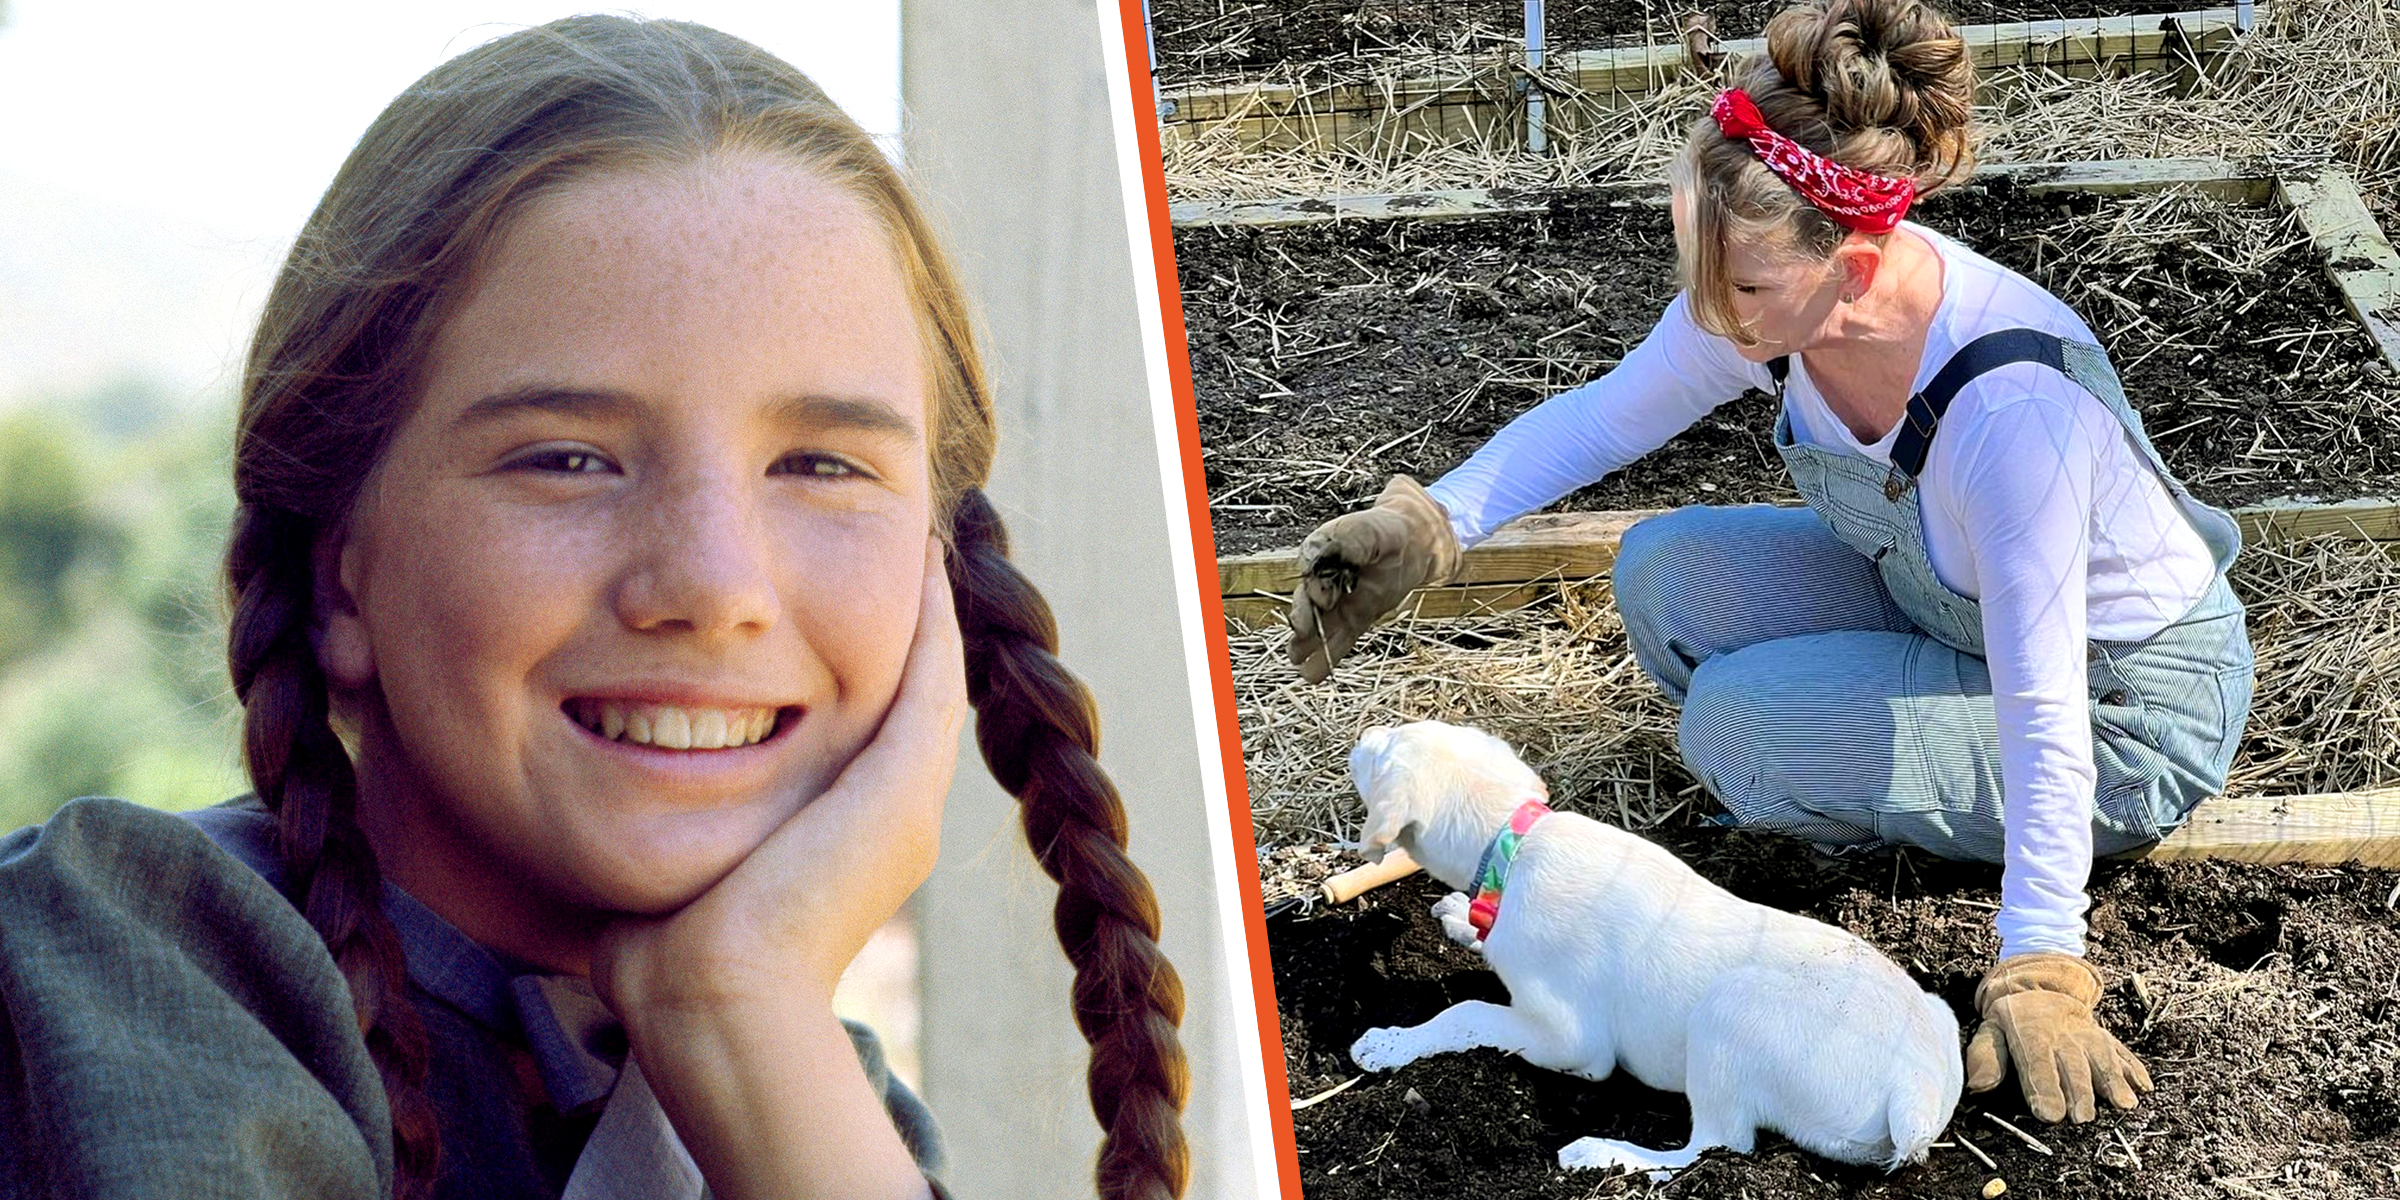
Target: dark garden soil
<point x="2265" y="1001"/>
<point x="1211" y="37"/>
<point x="1329" y="357"/>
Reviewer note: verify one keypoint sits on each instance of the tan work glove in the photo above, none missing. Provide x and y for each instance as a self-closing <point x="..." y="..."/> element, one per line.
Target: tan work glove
<point x="2037" y="1011"/>
<point x="1359" y="566"/>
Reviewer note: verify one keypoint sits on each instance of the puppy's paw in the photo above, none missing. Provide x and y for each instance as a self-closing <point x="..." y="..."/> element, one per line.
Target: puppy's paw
<point x="1451" y="911"/>
<point x="1593" y="1154"/>
<point x="1384" y="1049"/>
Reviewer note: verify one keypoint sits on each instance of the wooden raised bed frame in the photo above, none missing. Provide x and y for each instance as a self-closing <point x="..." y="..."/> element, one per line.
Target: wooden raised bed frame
<point x="1530" y="558"/>
<point x="2362" y="263"/>
<point x="2321" y="199"/>
<point x="1527" y="559"/>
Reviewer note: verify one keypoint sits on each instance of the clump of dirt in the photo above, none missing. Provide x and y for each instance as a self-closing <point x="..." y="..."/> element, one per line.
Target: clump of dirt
<point x="2264" y="1000"/>
<point x="1213" y="37"/>
<point x="1328" y="357"/>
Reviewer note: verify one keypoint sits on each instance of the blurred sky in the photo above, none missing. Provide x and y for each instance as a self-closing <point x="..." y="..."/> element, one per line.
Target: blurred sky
<point x="156" y="158"/>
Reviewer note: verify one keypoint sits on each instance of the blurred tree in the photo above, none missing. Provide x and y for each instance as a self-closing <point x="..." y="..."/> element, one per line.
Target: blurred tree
<point x="113" y="511"/>
<point x="92" y="717"/>
<point x="172" y="494"/>
<point x="46" y="524"/>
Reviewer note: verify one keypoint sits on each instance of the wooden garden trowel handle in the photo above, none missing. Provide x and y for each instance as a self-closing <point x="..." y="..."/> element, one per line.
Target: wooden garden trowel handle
<point x="1348" y="885"/>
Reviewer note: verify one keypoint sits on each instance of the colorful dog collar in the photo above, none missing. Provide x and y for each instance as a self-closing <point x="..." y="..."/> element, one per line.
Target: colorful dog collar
<point x="1491" y="872"/>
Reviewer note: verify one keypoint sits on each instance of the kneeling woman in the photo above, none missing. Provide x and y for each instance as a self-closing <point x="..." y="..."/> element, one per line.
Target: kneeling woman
<point x="2000" y="630"/>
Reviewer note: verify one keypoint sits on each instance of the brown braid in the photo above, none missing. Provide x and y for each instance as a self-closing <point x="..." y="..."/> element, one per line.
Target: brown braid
<point x="304" y="776"/>
<point x="1039" y="733"/>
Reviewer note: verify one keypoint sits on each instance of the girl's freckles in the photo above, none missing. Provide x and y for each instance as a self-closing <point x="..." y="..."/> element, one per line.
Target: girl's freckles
<point x="629" y="532"/>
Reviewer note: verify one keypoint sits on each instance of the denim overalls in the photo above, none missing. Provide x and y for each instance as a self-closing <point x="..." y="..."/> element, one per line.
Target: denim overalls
<point x="1833" y="687"/>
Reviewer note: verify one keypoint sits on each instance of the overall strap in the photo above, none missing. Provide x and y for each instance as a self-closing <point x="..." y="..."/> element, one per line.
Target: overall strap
<point x="1999" y="348"/>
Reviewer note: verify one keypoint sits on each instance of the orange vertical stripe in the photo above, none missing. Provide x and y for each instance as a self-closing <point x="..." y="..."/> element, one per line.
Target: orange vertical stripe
<point x="1212" y="605"/>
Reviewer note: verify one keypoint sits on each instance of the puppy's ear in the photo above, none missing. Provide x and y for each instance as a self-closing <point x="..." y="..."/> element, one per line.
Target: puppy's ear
<point x="1388" y="823"/>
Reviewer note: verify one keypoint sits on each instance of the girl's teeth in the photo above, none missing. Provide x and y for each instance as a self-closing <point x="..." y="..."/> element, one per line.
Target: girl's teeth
<point x="673" y="728"/>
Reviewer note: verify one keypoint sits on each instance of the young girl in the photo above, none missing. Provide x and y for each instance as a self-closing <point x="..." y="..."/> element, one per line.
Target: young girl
<point x="2000" y="630"/>
<point x="609" y="580"/>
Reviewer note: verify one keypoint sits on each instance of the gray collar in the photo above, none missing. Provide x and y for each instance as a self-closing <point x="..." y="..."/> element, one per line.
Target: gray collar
<point x="578" y="1046"/>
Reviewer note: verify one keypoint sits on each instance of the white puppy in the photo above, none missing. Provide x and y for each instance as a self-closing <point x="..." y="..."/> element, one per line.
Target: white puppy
<point x="1617" y="954"/>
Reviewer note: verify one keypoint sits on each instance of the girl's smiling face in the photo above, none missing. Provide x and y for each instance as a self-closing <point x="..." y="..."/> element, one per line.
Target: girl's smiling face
<point x="667" y="473"/>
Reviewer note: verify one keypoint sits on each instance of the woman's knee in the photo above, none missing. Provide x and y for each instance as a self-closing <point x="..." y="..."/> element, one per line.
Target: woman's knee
<point x="1735" y="737"/>
<point x="1721" y="575"/>
<point x="1787" y="740"/>
<point x="1760" y="701"/>
<point x="1655" y="557"/>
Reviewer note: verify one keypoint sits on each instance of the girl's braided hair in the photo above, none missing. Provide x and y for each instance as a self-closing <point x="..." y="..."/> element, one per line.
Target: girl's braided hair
<point x="333" y="371"/>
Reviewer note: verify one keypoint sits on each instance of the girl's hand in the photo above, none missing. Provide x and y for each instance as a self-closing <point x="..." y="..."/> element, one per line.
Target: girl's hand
<point x="794" y="913"/>
<point x="727" y="1002"/>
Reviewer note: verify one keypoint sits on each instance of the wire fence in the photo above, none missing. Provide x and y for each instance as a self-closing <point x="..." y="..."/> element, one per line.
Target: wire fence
<point x="1196" y="40"/>
<point x="1388" y="76"/>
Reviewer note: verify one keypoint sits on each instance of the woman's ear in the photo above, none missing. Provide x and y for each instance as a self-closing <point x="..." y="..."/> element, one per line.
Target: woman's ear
<point x="336" y="630"/>
<point x="1859" y="260"/>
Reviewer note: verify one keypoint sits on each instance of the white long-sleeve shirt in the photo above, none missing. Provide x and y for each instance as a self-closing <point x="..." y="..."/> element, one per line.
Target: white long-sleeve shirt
<point x="2035" y="504"/>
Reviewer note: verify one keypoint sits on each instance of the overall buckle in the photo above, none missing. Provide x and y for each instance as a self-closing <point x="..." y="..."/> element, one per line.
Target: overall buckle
<point x="1895" y="485"/>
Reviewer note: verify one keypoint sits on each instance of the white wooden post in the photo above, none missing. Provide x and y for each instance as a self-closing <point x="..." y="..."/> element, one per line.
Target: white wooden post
<point x="1007" y="129"/>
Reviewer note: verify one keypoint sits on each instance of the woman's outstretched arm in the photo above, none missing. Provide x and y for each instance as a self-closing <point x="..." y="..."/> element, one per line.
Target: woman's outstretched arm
<point x="1676" y="375"/>
<point x="2024" y="499"/>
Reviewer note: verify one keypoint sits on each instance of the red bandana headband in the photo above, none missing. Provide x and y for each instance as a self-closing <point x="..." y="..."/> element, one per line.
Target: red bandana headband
<point x="1855" y="199"/>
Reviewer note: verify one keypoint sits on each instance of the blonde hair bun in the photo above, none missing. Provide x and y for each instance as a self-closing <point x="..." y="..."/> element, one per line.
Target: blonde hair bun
<point x="1892" y="78"/>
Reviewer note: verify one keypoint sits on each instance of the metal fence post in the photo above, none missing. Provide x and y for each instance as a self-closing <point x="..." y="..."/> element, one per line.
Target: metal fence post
<point x="1537" y="137"/>
<point x="1165" y="107"/>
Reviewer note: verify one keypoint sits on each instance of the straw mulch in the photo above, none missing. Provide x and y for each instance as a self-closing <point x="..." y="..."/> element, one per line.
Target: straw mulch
<point x="2316" y="81"/>
<point x="1558" y="683"/>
